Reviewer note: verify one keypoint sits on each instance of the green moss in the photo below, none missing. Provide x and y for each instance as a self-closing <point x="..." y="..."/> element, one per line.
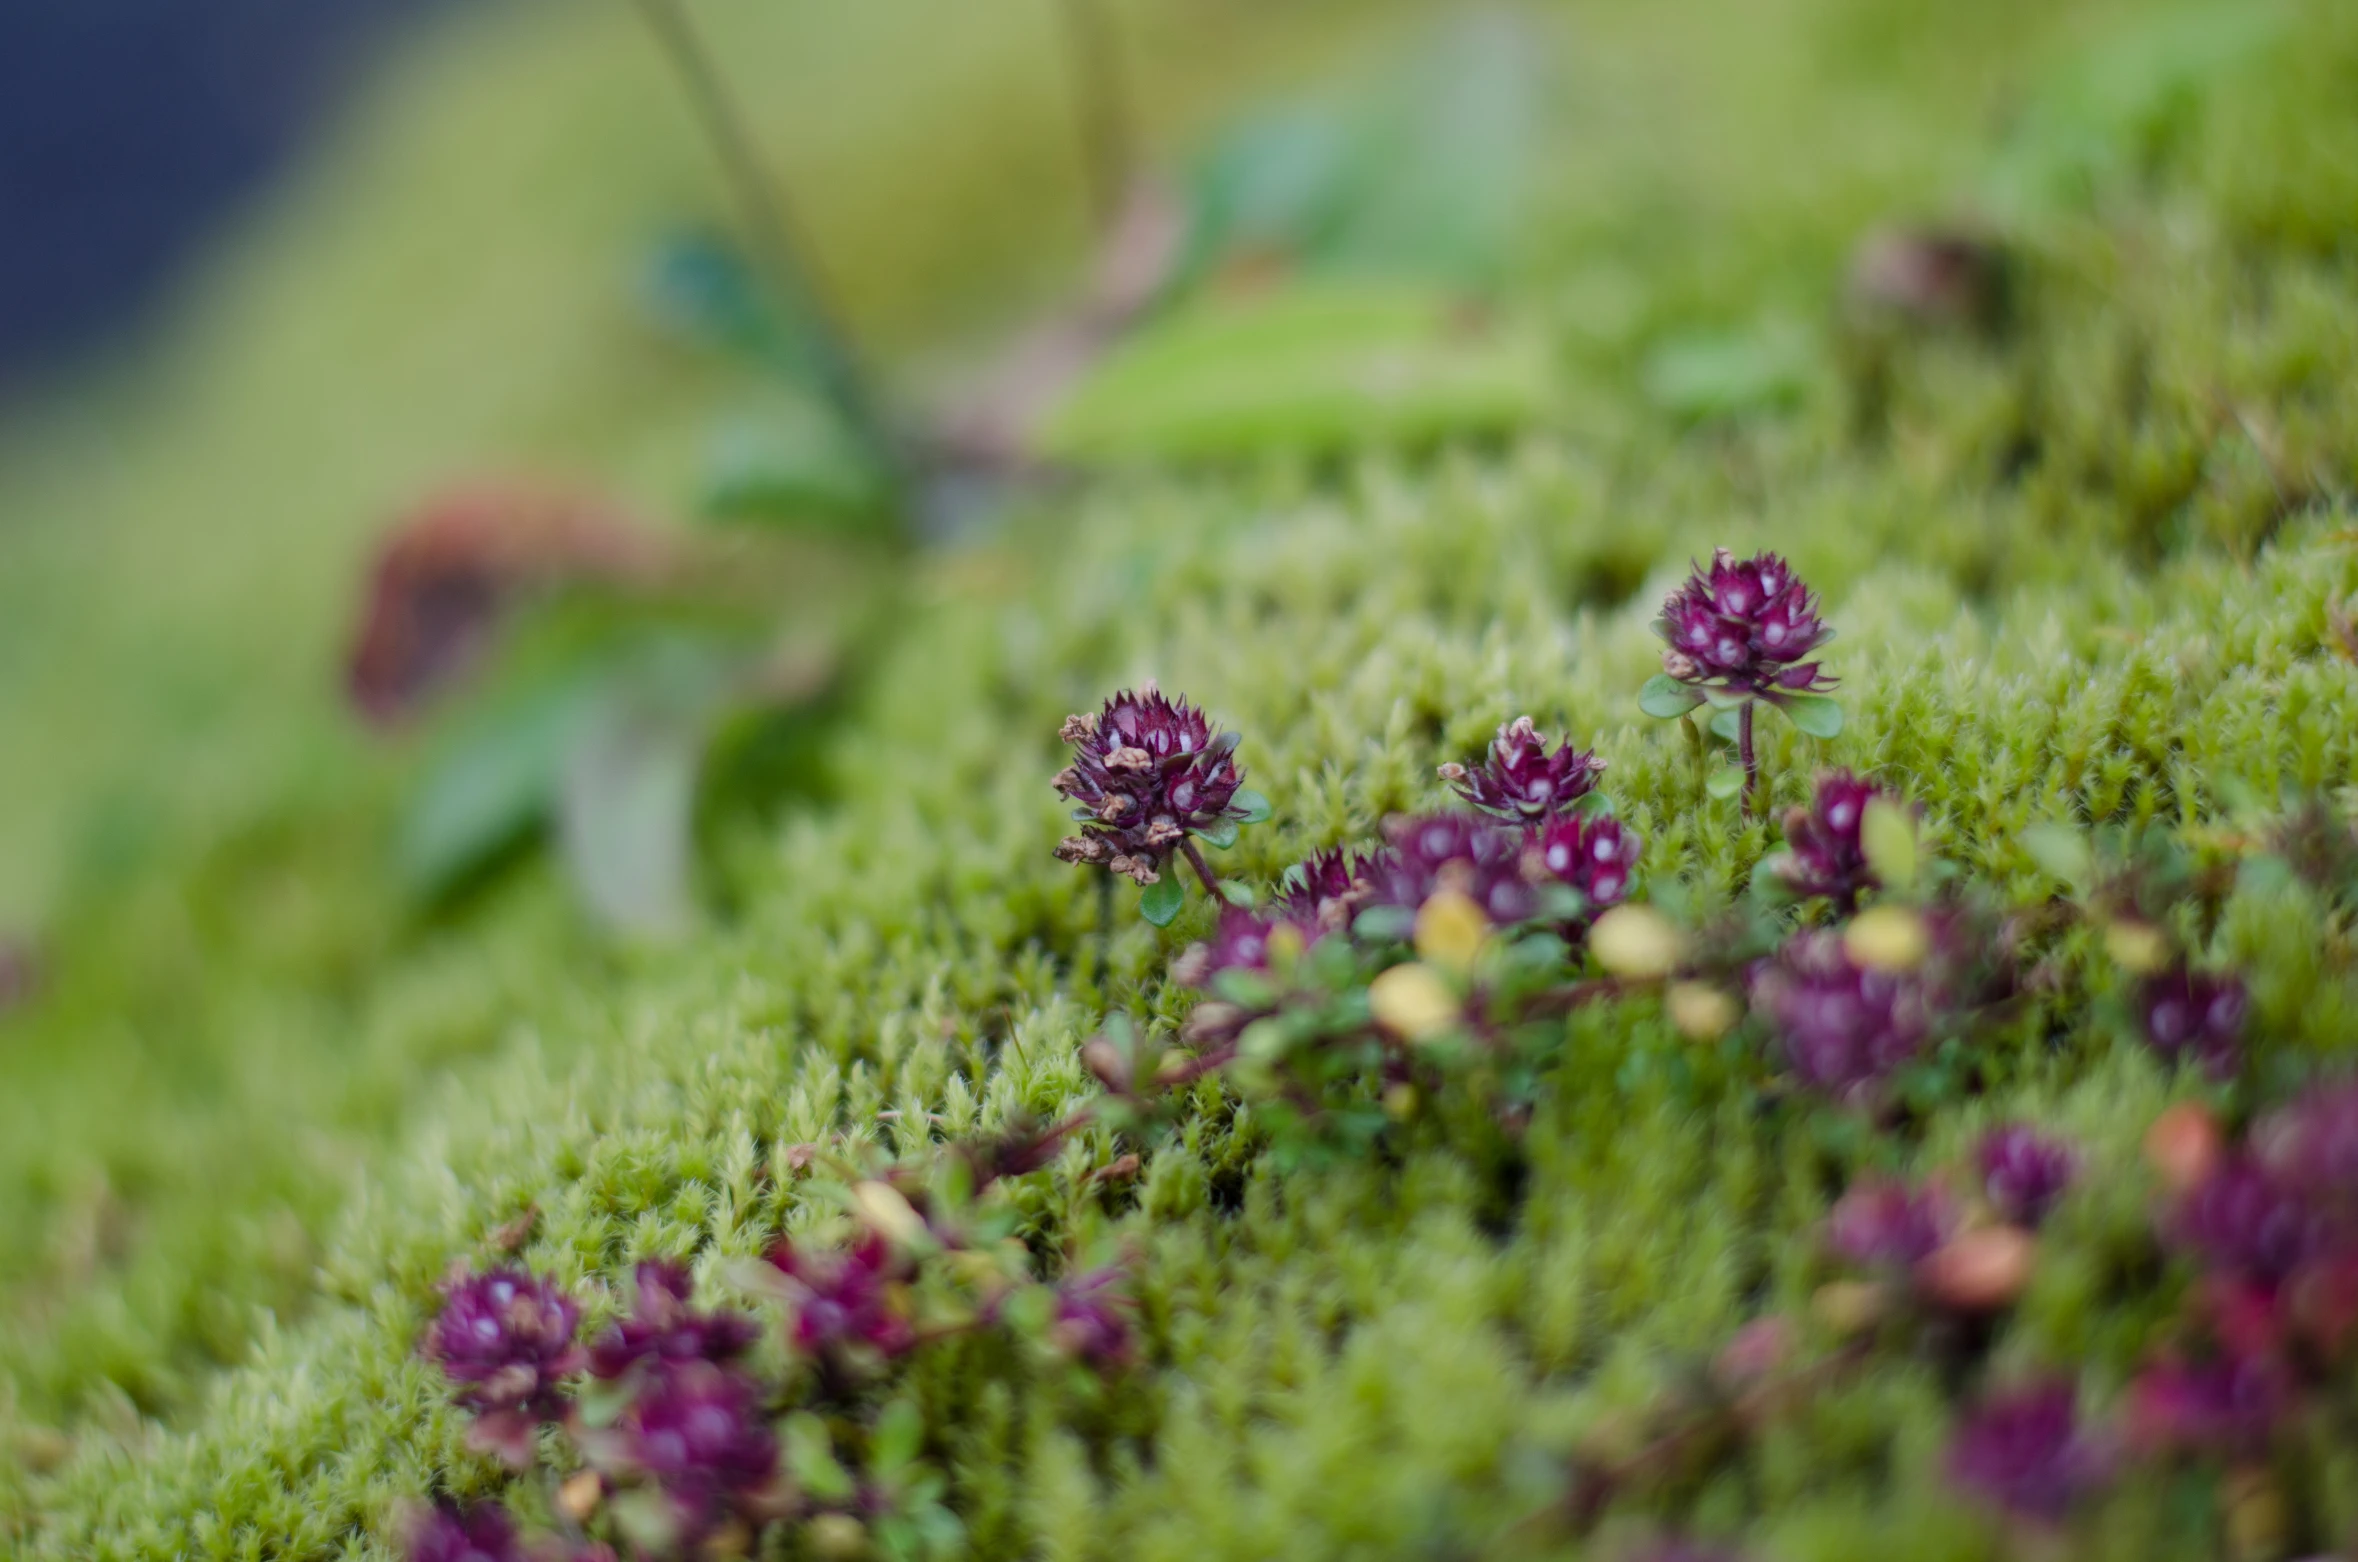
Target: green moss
<point x="2082" y="575"/>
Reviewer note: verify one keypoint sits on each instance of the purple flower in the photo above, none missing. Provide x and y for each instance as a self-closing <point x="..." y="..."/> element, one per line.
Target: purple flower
<point x="1824" y="856"/>
<point x="699" y="1432"/>
<point x="664" y="1329"/>
<point x="2243" y="1221"/>
<point x="2227" y="1406"/>
<point x="508" y="1340"/>
<point x="2025" y="1451"/>
<point x="1594" y="854"/>
<point x="1092" y="1321"/>
<point x="2024" y="1172"/>
<point x="2312" y="1145"/>
<point x="1473" y="856"/>
<point x="1843" y="1025"/>
<point x="1743" y="627"/>
<point x="2187" y="1014"/>
<point x="1146" y="771"/>
<point x="1880" y="1224"/>
<point x="480" y="1533"/>
<point x="848" y="1299"/>
<point x="1521" y="780"/>
<point x="1324" y="890"/>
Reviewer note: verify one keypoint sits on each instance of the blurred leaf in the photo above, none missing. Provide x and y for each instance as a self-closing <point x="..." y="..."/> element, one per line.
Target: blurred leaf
<point x="1887" y="835"/>
<point x="1160" y="901"/>
<point x="702" y="288"/>
<point x="1725" y="782"/>
<point x="627" y="798"/>
<point x="2061" y="851"/>
<point x="1716" y="376"/>
<point x="794" y="466"/>
<point x="1665" y="697"/>
<point x="1255" y="805"/>
<point x="495" y="783"/>
<point x="2111" y="110"/>
<point x="1221" y="835"/>
<point x="810" y="1458"/>
<point x="1307" y="369"/>
<point x="1727" y="721"/>
<point x="898" y="1440"/>
<point x="1424" y="171"/>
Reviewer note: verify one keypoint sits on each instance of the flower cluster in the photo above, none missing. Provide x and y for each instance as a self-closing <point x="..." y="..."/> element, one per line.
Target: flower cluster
<point x="1844" y="1025"/>
<point x="1147" y="772"/>
<point x="2026" y="1451"/>
<point x="1522" y="779"/>
<point x="1744" y="628"/>
<point x="2192" y="1017"/>
<point x="1825" y="856"/>
<point x="2024" y="1172"/>
<point x="684" y="1444"/>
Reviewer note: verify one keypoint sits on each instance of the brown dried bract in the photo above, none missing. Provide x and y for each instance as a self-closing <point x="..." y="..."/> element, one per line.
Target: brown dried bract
<point x="449" y="570"/>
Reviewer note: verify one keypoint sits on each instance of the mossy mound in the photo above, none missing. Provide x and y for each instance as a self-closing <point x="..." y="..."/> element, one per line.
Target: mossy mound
<point x="2086" y="572"/>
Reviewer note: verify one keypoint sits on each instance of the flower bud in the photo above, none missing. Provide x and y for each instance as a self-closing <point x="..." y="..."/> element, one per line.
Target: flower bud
<point x="1637" y="942"/>
<point x="1414" y="1002"/>
<point x="2184" y="1147"/>
<point x="1979" y="1271"/>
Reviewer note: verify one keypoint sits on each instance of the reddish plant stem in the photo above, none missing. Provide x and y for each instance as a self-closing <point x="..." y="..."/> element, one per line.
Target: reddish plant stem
<point x="1203" y="869"/>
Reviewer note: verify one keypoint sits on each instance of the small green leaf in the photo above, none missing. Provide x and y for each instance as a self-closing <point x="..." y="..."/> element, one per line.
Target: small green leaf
<point x="1255" y="806"/>
<point x="1816" y="714"/>
<point x="898" y="1440"/>
<point x="2060" y="850"/>
<point x="1725" y="782"/>
<point x="810" y="1455"/>
<point x="1887" y="834"/>
<point x="1728" y="722"/>
<point x="1160" y="901"/>
<point x="1238" y="893"/>
<point x="1222" y="834"/>
<point x="1665" y="697"/>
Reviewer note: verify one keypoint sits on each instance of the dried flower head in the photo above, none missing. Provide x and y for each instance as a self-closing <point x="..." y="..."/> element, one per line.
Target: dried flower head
<point x="1824" y="855"/>
<point x="1471" y="856"/>
<point x="1843" y="1025"/>
<point x="848" y="1299"/>
<point x="2025" y="1451"/>
<point x="1146" y="771"/>
<point x="1743" y="627"/>
<point x="1594" y="854"/>
<point x="663" y="1328"/>
<point x="1521" y="779"/>
<point x="482" y="1532"/>
<point x="701" y="1434"/>
<point x="507" y="1340"/>
<point x="2024" y="1172"/>
<point x="2191" y="1015"/>
<point x="1880" y="1224"/>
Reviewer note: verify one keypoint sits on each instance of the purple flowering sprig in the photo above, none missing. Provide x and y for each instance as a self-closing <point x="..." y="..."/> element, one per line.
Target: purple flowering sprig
<point x="1150" y="778"/>
<point x="670" y="1416"/>
<point x="1735" y="635"/>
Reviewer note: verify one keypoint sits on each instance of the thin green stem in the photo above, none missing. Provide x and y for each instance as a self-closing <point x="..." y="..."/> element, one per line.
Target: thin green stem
<point x="1203" y="869"/>
<point x="775" y="235"/>
<point x="1101" y="101"/>
<point x="1744" y="751"/>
